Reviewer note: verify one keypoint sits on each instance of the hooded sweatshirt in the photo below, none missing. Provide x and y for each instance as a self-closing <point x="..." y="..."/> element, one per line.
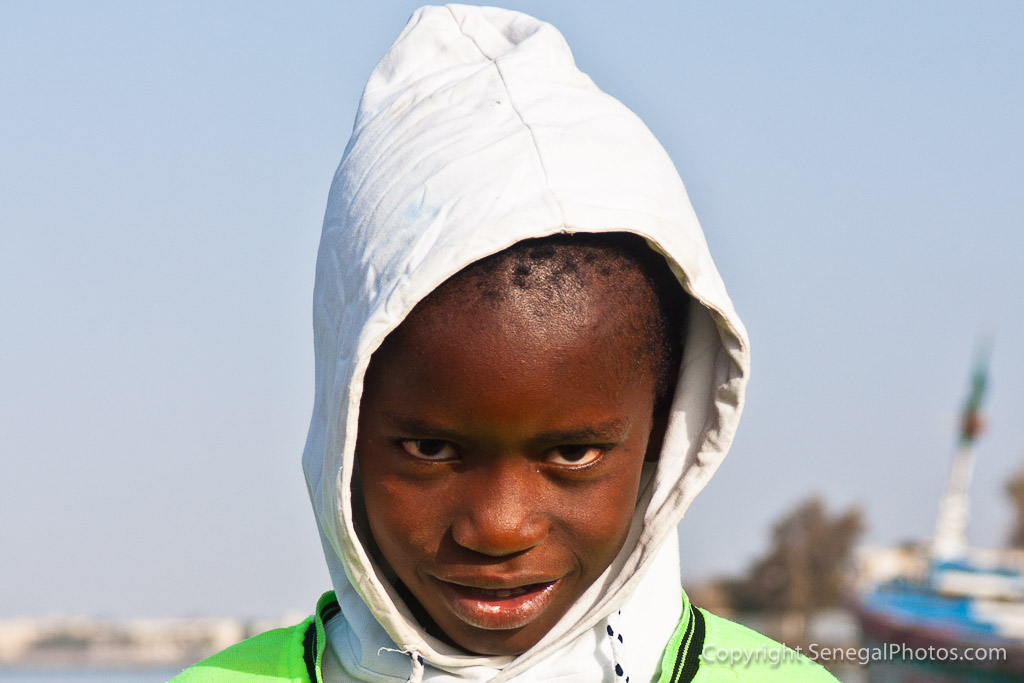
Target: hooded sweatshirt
<point x="476" y="131"/>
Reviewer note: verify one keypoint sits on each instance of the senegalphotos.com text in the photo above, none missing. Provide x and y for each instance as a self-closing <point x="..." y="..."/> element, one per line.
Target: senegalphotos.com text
<point x="739" y="657"/>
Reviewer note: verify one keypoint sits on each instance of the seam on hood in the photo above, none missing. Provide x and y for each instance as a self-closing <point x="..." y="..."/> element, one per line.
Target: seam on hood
<point x="518" y="111"/>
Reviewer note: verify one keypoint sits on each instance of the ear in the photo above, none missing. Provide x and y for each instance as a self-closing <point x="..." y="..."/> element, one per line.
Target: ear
<point x="659" y="424"/>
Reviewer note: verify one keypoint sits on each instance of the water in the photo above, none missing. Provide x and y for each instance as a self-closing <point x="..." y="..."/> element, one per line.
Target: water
<point x="907" y="672"/>
<point x="92" y="676"/>
<point x="888" y="672"/>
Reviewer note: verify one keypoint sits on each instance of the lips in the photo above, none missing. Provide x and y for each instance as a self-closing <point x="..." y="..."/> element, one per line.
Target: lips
<point x="498" y="608"/>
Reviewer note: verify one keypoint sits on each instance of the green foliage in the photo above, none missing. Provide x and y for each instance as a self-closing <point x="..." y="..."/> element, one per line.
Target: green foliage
<point x="1014" y="489"/>
<point x="805" y="568"/>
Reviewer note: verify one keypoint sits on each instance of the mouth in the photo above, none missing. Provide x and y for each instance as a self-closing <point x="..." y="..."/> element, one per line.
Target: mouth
<point x="497" y="609"/>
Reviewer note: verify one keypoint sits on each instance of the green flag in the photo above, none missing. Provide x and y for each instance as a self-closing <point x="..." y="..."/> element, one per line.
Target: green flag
<point x="970" y="421"/>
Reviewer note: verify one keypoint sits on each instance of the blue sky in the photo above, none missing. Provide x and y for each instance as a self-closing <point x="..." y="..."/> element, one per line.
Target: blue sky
<point x="164" y="168"/>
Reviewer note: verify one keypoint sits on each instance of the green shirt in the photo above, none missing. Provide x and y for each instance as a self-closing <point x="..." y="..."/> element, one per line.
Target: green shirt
<point x="703" y="648"/>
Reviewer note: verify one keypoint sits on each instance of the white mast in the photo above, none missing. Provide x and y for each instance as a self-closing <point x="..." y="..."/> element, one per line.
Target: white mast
<point x="950" y="541"/>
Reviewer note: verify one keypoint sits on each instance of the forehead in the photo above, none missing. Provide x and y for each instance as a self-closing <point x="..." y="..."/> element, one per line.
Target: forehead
<point x="459" y="342"/>
<point x="472" y="322"/>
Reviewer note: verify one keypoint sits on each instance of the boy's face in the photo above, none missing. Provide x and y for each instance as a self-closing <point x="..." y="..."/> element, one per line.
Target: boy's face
<point x="500" y="453"/>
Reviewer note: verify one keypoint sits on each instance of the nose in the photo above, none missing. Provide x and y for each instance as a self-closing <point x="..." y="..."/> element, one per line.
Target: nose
<point x="501" y="511"/>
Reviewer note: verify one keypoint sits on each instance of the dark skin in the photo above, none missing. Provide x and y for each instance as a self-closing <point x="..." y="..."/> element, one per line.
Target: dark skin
<point x="500" y="448"/>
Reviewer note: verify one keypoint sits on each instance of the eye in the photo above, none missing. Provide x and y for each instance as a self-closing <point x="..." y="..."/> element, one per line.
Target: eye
<point x="433" y="450"/>
<point x="575" y="455"/>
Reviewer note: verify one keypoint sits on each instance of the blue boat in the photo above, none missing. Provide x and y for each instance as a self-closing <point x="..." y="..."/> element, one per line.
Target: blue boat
<point x="945" y="603"/>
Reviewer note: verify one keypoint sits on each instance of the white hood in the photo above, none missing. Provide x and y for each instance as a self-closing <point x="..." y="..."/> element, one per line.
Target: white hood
<point x="475" y="131"/>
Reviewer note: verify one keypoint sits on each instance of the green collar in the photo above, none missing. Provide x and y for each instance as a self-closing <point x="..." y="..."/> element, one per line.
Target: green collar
<point x="681" y="658"/>
<point x="315" y="640"/>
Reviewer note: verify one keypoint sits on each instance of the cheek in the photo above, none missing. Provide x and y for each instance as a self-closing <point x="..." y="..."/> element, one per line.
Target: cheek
<point x="404" y="520"/>
<point x="599" y="522"/>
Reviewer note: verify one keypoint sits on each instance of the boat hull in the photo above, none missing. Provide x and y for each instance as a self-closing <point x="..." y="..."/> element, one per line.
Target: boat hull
<point x="915" y="626"/>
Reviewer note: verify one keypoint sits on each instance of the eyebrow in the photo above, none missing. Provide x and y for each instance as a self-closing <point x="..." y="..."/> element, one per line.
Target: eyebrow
<point x="613" y="430"/>
<point x="609" y="431"/>
<point x="413" y="425"/>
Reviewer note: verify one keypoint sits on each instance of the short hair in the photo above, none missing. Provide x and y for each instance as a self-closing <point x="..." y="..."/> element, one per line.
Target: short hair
<point x="559" y="266"/>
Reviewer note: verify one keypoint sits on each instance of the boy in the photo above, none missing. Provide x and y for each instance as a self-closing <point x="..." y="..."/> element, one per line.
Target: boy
<point x="526" y="368"/>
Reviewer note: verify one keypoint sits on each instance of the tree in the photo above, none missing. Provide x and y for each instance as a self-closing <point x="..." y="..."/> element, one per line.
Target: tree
<point x="1014" y="489"/>
<point x="804" y="569"/>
